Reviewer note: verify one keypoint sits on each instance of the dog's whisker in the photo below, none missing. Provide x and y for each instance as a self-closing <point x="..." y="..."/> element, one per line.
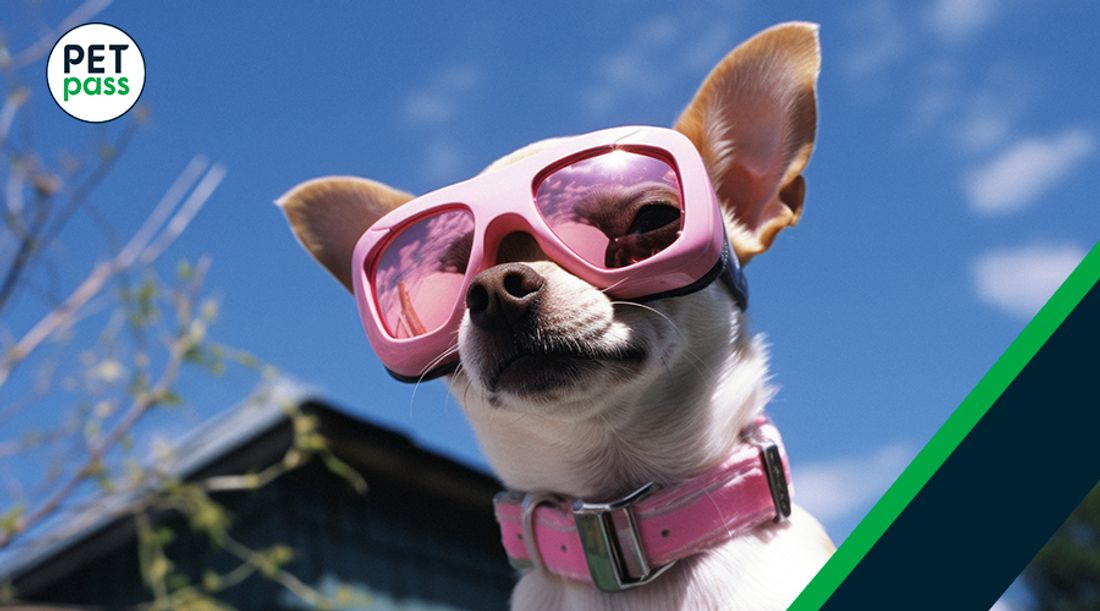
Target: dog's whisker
<point x="695" y="359"/>
<point x="449" y="396"/>
<point x="466" y="391"/>
<point x="615" y="285"/>
<point x="437" y="360"/>
<point x="427" y="369"/>
<point x="672" y="324"/>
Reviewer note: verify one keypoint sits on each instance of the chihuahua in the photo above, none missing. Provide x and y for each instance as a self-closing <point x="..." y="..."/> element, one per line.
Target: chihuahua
<point x="641" y="472"/>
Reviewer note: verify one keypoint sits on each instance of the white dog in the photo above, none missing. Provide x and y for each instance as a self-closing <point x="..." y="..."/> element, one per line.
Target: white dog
<point x="595" y="426"/>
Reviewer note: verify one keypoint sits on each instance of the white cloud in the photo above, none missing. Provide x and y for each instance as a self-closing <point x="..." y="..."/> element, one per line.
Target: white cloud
<point x="975" y="114"/>
<point x="1027" y="170"/>
<point x="842" y="488"/>
<point x="958" y="20"/>
<point x="708" y="45"/>
<point x="434" y="108"/>
<point x="655" y="55"/>
<point x="1020" y="280"/>
<point x="427" y="107"/>
<point x="460" y="78"/>
<point x="442" y="160"/>
<point x="990" y="113"/>
<point x="880" y="36"/>
<point x="984" y="130"/>
<point x="438" y="100"/>
<point x="637" y="68"/>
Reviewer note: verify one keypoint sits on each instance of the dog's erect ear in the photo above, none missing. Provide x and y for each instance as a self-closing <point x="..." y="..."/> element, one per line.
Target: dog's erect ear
<point x="753" y="121"/>
<point x="330" y="214"/>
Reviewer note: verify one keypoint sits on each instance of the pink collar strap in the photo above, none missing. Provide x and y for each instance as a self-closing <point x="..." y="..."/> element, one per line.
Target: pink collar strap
<point x="631" y="541"/>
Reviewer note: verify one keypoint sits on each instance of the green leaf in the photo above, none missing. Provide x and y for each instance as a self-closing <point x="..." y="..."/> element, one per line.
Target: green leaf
<point x="177" y="581"/>
<point x="346" y="471"/>
<point x="311" y="442"/>
<point x="211" y="581"/>
<point x="184" y="271"/>
<point x="164" y="536"/>
<point x="158" y="568"/>
<point x="293" y="459"/>
<point x="10" y="520"/>
<point x="281" y="554"/>
<point x="8" y="595"/>
<point x="209" y="310"/>
<point x="170" y="398"/>
<point x="210" y="518"/>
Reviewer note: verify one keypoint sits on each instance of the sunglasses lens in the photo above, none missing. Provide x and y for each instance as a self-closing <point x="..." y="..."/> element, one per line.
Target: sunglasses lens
<point x="418" y="278"/>
<point x="613" y="209"/>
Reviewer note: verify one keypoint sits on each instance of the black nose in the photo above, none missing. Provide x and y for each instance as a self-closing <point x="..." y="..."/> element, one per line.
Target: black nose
<point x="503" y="294"/>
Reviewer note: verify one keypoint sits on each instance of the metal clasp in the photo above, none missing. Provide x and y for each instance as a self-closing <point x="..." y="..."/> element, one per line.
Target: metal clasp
<point x="774" y="471"/>
<point x="609" y="536"/>
<point x="529" y="502"/>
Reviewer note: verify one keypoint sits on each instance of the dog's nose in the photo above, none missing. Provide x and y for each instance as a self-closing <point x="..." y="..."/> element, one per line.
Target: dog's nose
<point x="503" y="294"/>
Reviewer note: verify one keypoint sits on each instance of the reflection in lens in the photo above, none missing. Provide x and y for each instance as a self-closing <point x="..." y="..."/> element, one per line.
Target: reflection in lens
<point x="613" y="209"/>
<point x="418" y="278"/>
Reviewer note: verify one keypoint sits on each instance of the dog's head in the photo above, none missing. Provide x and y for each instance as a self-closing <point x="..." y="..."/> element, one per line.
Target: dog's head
<point x="536" y="339"/>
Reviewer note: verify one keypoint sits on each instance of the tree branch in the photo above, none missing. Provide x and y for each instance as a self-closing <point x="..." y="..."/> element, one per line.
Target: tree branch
<point x="106" y="270"/>
<point x="182" y="343"/>
<point x="82" y="14"/>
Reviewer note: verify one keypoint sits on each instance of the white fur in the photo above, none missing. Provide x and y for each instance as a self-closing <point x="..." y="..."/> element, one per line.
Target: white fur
<point x="703" y="381"/>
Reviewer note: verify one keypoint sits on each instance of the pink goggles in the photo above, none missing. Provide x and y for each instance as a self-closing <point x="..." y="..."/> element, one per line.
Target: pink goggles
<point x="629" y="210"/>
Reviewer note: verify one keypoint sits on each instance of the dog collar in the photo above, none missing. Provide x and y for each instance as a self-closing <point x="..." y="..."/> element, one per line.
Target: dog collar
<point x="631" y="541"/>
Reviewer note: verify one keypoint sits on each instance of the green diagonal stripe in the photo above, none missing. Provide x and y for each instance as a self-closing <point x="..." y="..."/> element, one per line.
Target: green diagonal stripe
<point x="958" y="426"/>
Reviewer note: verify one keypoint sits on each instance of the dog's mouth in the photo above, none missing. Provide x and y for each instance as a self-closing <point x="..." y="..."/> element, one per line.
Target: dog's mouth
<point x="528" y="372"/>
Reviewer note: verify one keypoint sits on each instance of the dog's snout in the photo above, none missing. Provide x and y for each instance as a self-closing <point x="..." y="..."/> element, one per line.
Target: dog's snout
<point x="503" y="293"/>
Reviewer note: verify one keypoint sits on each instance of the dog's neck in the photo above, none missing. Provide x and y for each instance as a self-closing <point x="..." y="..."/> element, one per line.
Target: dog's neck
<point x="680" y="421"/>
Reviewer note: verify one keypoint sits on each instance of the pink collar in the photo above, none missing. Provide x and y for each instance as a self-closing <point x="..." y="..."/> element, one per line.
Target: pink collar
<point x="631" y="541"/>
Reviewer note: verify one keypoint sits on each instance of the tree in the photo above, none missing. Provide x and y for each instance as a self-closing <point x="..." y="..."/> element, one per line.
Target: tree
<point x="1065" y="575"/>
<point x="91" y="351"/>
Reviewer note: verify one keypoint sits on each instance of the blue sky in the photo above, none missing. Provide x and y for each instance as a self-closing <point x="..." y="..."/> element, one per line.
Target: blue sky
<point x="947" y="197"/>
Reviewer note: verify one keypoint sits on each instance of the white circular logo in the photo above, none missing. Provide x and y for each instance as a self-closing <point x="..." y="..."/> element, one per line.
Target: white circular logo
<point x="95" y="72"/>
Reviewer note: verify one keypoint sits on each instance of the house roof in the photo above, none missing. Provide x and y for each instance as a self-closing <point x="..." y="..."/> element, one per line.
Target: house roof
<point x="250" y="435"/>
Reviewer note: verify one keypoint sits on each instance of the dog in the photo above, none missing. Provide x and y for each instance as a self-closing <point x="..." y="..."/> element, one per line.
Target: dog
<point x="595" y="396"/>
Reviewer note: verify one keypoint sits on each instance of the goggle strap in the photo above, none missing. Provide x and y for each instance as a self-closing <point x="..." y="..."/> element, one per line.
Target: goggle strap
<point x="727" y="270"/>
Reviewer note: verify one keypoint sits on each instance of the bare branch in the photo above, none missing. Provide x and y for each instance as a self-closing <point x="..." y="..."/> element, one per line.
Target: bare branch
<point x="186" y="214"/>
<point x="169" y="202"/>
<point x="7" y="114"/>
<point x="93" y="462"/>
<point x="81" y="192"/>
<point x="28" y="245"/>
<point x="106" y="270"/>
<point x="287" y="580"/>
<point x="83" y="13"/>
<point x="38" y="234"/>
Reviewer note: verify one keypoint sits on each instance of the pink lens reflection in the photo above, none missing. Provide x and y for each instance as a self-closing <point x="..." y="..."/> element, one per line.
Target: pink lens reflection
<point x="614" y="209"/>
<point x="418" y="279"/>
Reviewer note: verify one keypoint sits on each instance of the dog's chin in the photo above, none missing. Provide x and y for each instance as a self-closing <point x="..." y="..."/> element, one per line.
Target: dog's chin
<point x="554" y="376"/>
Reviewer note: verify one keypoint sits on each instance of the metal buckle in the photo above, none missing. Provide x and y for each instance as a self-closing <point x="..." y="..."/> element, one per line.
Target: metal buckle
<point x="773" y="470"/>
<point x="529" y="502"/>
<point x="612" y="547"/>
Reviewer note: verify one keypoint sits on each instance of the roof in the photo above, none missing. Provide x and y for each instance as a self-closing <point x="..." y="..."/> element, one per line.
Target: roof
<point x="246" y="437"/>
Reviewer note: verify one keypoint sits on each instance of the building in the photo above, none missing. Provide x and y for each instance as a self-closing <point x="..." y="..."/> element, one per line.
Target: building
<point x="423" y="535"/>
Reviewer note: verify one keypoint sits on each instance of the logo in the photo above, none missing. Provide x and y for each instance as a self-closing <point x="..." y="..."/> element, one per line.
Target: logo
<point x="95" y="72"/>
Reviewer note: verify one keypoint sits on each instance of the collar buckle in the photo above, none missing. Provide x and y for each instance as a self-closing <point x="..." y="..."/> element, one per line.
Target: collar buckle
<point x="774" y="471"/>
<point x="609" y="536"/>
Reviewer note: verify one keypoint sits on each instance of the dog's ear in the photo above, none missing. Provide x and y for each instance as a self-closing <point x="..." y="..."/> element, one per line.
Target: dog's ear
<point x="753" y="121"/>
<point x="328" y="215"/>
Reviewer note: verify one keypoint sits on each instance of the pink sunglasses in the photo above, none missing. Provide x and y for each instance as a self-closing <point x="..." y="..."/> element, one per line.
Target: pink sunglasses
<point x="629" y="210"/>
